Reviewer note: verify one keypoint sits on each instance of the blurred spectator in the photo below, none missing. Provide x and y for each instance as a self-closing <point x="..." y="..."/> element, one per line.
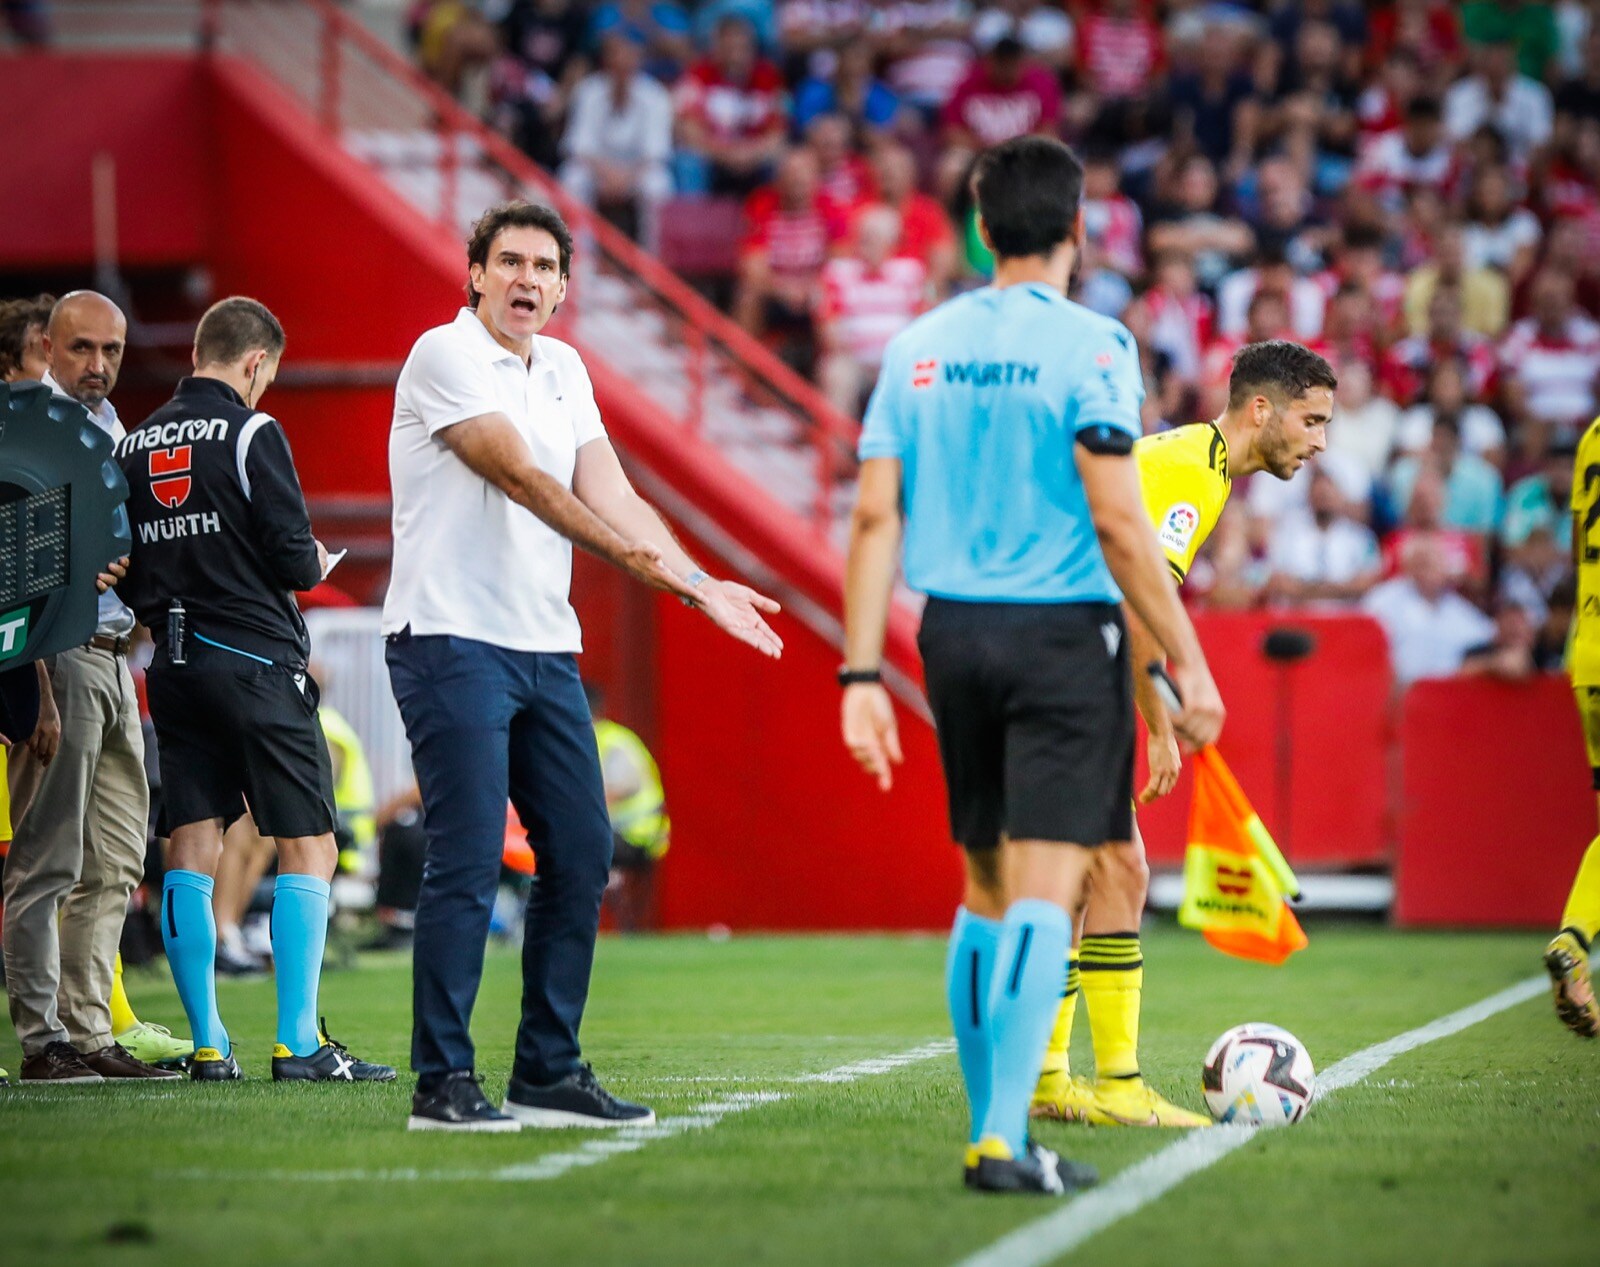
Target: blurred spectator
<point x="1551" y="359"/>
<point x="1417" y="154"/>
<point x="1534" y="569"/>
<point x="853" y="91"/>
<point x="868" y="297"/>
<point x="1359" y="262"/>
<point x="1485" y="297"/>
<point x="1466" y="558"/>
<point x="1268" y="318"/>
<point x="1579" y="95"/>
<point x="1427" y="30"/>
<point x="1271" y="271"/>
<point x="1473" y="490"/>
<point x="1568" y="249"/>
<point x="1321" y="555"/>
<point x="619" y="137"/>
<point x="661" y="26"/>
<point x="1519" y="108"/>
<point x="1507" y="654"/>
<point x="925" y="231"/>
<point x="1314" y="116"/>
<point x="1180" y="317"/>
<point x="451" y="38"/>
<point x="1527" y="31"/>
<point x="1350" y="330"/>
<point x="1445" y="401"/>
<point x="787" y="235"/>
<point x="1043" y="29"/>
<point x="1110" y="218"/>
<point x="1540" y="500"/>
<point x="815" y="35"/>
<point x="843" y="176"/>
<point x="1279" y="206"/>
<point x="1550" y="648"/>
<point x="1003" y="96"/>
<point x="730" y="111"/>
<point x="533" y="79"/>
<point x="1194" y="224"/>
<point x="1214" y="105"/>
<point x="1430" y="627"/>
<point x="28" y="21"/>
<point x="1120" y="50"/>
<point x="1499" y="234"/>
<point x="1272" y="503"/>
<point x="759" y="15"/>
<point x="1407" y="363"/>
<point x="1365" y="424"/>
<point x="928" y="47"/>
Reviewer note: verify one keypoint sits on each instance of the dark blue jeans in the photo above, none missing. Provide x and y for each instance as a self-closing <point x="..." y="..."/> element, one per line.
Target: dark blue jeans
<point x="485" y="722"/>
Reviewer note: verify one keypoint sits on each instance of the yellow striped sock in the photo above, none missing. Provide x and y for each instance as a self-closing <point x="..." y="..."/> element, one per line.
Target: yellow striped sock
<point x="1112" y="967"/>
<point x="1583" y="903"/>
<point x="1055" y="1056"/>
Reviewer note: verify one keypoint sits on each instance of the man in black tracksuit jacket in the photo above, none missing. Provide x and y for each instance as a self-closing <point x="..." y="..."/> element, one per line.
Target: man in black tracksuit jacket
<point x="221" y="540"/>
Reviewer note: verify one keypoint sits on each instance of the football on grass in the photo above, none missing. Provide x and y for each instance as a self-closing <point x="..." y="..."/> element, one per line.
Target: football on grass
<point x="1258" y="1075"/>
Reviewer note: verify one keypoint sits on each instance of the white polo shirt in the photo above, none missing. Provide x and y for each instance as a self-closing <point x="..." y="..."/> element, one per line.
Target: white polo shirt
<point x="468" y="561"/>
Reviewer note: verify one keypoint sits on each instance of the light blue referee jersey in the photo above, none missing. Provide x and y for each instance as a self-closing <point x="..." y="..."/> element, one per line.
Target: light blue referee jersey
<point x="982" y="400"/>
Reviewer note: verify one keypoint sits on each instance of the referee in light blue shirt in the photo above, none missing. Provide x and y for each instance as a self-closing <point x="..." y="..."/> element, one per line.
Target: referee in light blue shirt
<point x="999" y="444"/>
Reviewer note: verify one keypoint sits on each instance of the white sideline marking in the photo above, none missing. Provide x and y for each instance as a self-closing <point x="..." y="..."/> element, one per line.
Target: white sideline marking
<point x="1045" y="1240"/>
<point x="626" y="1139"/>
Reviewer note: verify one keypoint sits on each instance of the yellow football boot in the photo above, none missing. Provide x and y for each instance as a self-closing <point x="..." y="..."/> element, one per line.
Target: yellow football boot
<point x="1062" y="1097"/>
<point x="1134" y="1102"/>
<point x="1567" y="962"/>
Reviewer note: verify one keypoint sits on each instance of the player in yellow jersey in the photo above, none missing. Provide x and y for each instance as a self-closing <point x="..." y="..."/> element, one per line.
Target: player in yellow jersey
<point x="1280" y="400"/>
<point x="1567" y="956"/>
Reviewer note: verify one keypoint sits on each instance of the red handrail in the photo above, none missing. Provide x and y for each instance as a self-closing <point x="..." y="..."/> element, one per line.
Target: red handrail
<point x="645" y="267"/>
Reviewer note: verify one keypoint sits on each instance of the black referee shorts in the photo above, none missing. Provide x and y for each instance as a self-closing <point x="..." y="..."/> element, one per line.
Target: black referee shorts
<point x="1034" y="711"/>
<point x="230" y="731"/>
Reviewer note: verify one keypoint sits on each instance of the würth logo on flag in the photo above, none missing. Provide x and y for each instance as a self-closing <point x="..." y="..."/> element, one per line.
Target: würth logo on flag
<point x="169" y="475"/>
<point x="922" y="374"/>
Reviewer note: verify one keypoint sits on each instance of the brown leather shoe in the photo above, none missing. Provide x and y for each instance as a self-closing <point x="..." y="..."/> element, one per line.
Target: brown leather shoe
<point x="115" y="1062"/>
<point x="59" y="1063"/>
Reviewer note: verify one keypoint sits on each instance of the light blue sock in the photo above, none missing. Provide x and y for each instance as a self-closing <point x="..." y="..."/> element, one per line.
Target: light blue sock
<point x="189" y="932"/>
<point x="299" y="931"/>
<point x="1024" y="993"/>
<point x="967" y="970"/>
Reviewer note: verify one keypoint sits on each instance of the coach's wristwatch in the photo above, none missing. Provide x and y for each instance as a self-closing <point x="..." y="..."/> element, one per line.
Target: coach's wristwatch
<point x="851" y="677"/>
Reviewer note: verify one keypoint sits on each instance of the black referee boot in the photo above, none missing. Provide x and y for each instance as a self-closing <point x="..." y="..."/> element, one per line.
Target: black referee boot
<point x="456" y="1103"/>
<point x="332" y="1062"/>
<point x="576" y="1100"/>
<point x="1038" y="1171"/>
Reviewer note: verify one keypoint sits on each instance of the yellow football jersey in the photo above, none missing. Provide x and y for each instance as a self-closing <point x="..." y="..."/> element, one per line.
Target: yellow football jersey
<point x="1584" y="656"/>
<point x="1184" y="476"/>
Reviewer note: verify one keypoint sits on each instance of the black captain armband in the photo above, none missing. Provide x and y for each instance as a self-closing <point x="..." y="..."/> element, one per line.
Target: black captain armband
<point x="1106" y="440"/>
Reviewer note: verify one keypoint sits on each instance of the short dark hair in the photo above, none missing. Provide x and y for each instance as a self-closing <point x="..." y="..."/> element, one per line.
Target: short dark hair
<point x="235" y="327"/>
<point x="17" y="317"/>
<point x="514" y="215"/>
<point x="1029" y="190"/>
<point x="1277" y="368"/>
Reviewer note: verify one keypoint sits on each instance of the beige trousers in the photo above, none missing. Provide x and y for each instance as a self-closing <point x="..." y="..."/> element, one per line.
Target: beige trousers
<point x="76" y="856"/>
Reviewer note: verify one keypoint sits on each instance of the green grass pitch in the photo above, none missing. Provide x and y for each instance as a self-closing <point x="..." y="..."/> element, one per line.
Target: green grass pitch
<point x="1480" y="1148"/>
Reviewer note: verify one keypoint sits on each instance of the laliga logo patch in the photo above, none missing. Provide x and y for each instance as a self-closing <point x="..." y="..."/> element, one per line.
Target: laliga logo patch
<point x="169" y="475"/>
<point x="922" y="374"/>
<point x="1178" y="527"/>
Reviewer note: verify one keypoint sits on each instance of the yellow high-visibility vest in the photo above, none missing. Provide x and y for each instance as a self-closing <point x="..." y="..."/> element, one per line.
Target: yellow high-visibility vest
<point x="353" y="794"/>
<point x="641" y="820"/>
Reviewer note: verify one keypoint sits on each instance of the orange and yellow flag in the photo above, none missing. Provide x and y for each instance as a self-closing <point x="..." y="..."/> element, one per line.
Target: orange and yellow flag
<point x="1235" y="880"/>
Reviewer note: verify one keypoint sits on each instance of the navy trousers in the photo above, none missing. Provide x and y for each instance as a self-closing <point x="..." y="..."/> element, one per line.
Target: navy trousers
<point x="485" y="722"/>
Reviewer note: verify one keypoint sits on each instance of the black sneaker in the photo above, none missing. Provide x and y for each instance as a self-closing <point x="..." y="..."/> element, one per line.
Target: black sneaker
<point x="457" y="1104"/>
<point x="1038" y="1171"/>
<point x="210" y="1065"/>
<point x="332" y="1062"/>
<point x="576" y="1100"/>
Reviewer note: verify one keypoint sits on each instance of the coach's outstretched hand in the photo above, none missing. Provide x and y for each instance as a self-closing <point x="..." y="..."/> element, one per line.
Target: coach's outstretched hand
<point x="736" y="610"/>
<point x="870" y="731"/>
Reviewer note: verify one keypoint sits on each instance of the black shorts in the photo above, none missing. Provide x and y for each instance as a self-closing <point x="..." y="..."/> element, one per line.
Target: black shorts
<point x="231" y="732"/>
<point x="1034" y="711"/>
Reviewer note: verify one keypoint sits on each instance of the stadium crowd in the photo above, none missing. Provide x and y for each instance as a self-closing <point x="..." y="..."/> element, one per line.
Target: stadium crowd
<point x="1410" y="188"/>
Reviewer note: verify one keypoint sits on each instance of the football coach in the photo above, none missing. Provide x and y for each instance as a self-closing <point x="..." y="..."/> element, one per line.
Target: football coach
<point x="499" y="462"/>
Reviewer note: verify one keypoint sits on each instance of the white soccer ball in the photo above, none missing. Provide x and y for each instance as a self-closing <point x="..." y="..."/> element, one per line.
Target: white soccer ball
<point x="1258" y="1075"/>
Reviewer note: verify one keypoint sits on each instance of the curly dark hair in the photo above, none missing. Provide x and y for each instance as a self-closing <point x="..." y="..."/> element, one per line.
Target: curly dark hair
<point x="1277" y="368"/>
<point x="514" y="215"/>
<point x="17" y="317"/>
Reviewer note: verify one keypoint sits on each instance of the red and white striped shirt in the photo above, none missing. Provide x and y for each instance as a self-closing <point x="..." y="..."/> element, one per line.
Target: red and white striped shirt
<point x="1557" y="374"/>
<point x="870" y="306"/>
